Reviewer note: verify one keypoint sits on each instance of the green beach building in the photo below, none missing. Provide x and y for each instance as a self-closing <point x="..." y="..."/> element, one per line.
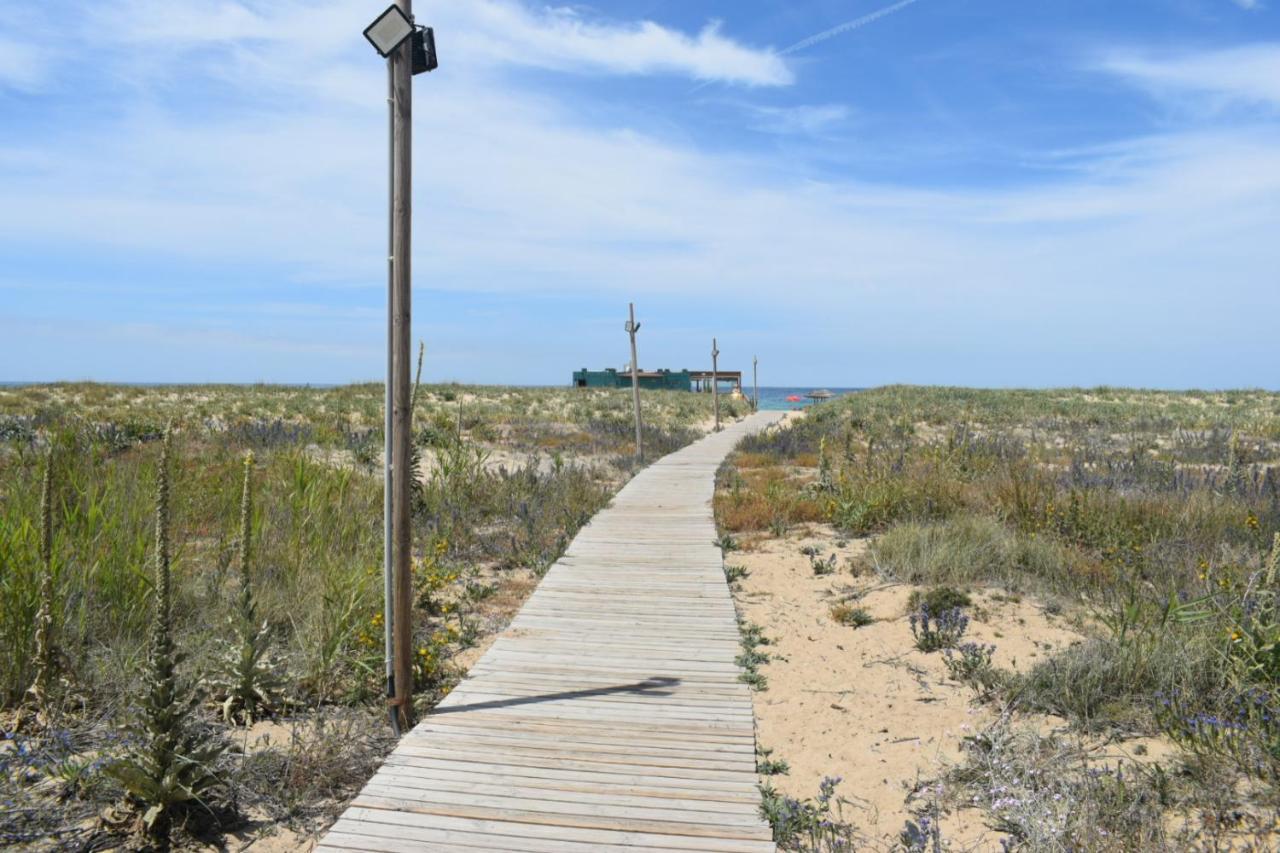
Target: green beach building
<point x="671" y="380"/>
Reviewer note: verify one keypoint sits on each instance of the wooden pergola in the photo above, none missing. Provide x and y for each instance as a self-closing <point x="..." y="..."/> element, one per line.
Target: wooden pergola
<point x="702" y="379"/>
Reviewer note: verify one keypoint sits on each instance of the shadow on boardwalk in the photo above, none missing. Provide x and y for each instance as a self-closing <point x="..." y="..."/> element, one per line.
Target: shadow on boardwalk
<point x="649" y="687"/>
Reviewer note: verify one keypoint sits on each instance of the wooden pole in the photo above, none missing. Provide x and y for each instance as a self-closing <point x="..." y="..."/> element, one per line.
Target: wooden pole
<point x="632" y="328"/>
<point x="755" y="383"/>
<point x="715" y="382"/>
<point x="388" y="564"/>
<point x="402" y="418"/>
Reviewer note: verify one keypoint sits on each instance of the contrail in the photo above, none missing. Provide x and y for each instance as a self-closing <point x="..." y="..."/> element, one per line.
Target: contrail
<point x="846" y="27"/>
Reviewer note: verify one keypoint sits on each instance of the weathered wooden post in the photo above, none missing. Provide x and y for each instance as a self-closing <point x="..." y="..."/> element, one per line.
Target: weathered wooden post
<point x="632" y="327"/>
<point x="755" y="383"/>
<point x="408" y="49"/>
<point x="715" y="382"/>
<point x="402" y="418"/>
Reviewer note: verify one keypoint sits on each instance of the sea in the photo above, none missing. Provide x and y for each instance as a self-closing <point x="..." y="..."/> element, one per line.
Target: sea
<point x="775" y="399"/>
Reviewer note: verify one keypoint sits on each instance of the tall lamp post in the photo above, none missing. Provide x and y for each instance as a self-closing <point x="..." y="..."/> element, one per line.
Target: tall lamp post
<point x="409" y="49"/>
<point x="632" y="327"/>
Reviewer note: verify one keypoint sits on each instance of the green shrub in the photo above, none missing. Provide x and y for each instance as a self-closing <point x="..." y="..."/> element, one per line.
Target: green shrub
<point x="938" y="599"/>
<point x="970" y="664"/>
<point x="972" y="549"/>
<point x="1103" y="682"/>
<point x="853" y="617"/>
<point x="816" y="824"/>
<point x="1045" y="795"/>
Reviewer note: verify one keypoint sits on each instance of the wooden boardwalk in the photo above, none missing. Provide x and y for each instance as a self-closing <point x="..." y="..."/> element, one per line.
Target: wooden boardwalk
<point x="609" y="715"/>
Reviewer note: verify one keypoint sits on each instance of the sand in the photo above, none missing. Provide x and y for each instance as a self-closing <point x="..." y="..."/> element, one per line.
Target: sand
<point x="864" y="704"/>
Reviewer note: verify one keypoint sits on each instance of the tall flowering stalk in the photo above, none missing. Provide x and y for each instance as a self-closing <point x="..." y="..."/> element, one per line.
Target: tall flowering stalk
<point x="248" y="683"/>
<point x="170" y="767"/>
<point x="47" y="656"/>
<point x="936" y="631"/>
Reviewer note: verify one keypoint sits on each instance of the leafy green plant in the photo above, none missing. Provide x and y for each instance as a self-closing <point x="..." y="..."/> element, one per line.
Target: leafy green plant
<point x="767" y="766"/>
<point x="814" y="824"/>
<point x="970" y="664"/>
<point x="817" y="563"/>
<point x="1243" y="726"/>
<point x="851" y="615"/>
<point x="726" y="543"/>
<point x="752" y="637"/>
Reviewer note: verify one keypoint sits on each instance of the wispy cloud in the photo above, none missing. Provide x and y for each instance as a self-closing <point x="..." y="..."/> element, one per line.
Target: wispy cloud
<point x="22" y="66"/>
<point x="802" y="119"/>
<point x="565" y="39"/>
<point x="1248" y="75"/>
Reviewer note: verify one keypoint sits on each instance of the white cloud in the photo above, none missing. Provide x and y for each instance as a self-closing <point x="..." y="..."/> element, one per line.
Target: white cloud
<point x="1249" y="5"/>
<point x="562" y="39"/>
<point x="1248" y="75"/>
<point x="501" y="32"/>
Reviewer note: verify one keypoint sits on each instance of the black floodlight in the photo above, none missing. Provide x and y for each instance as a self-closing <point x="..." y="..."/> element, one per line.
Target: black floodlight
<point x="389" y="30"/>
<point x="424" y="50"/>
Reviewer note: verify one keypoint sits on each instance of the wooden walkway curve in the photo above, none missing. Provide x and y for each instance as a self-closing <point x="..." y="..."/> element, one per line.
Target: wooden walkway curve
<point x="609" y="715"/>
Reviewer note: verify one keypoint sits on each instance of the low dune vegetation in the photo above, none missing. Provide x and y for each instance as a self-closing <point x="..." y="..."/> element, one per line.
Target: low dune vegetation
<point x="191" y="590"/>
<point x="1095" y="571"/>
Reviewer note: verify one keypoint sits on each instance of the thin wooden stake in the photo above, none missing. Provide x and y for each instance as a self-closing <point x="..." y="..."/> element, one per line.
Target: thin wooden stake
<point x="755" y="382"/>
<point x="633" y="327"/>
<point x="715" y="382"/>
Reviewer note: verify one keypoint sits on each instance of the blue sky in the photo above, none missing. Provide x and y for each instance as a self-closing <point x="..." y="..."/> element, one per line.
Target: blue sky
<point x="977" y="192"/>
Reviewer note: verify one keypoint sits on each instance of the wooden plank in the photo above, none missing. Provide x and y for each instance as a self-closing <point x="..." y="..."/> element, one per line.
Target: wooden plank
<point x="581" y="806"/>
<point x="514" y="723"/>
<point x="471" y="755"/>
<point x="456" y="780"/>
<point x="597" y="743"/>
<point x="631" y="839"/>
<point x="644" y="757"/>
<point x="550" y="818"/>
<point x="609" y="715"/>
<point x="712" y="788"/>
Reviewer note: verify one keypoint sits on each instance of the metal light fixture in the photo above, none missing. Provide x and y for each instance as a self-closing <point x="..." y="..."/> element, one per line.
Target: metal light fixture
<point x="424" y="50"/>
<point x="389" y="30"/>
